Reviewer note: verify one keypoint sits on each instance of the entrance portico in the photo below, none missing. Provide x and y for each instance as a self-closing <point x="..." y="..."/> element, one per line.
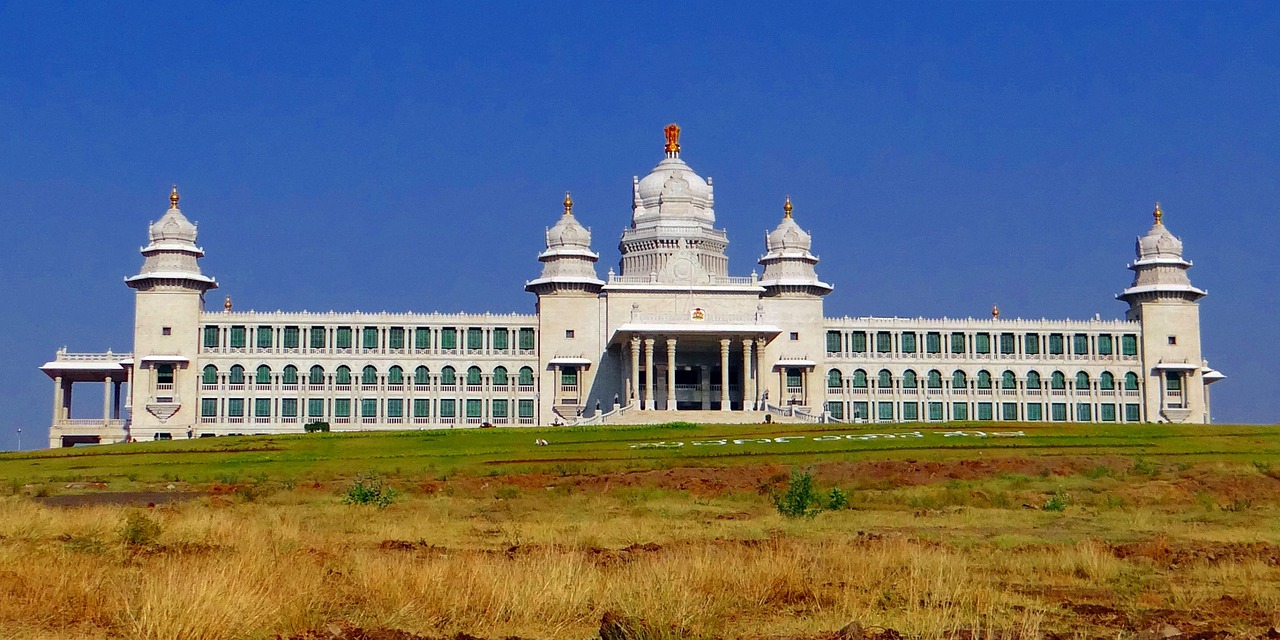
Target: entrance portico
<point x="692" y="367"/>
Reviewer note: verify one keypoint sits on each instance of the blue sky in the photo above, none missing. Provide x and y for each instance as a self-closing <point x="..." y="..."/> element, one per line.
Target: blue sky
<point x="407" y="157"/>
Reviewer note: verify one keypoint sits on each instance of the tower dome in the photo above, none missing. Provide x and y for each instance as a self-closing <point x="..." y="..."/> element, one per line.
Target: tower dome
<point x="567" y="232"/>
<point x="673" y="189"/>
<point x="788" y="264"/>
<point x="170" y="258"/>
<point x="1159" y="243"/>
<point x="568" y="263"/>
<point x="788" y="237"/>
<point x="1160" y="272"/>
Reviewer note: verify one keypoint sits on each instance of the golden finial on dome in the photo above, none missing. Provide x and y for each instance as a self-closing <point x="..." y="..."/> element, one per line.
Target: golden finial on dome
<point x="995" y="312"/>
<point x="226" y="306"/>
<point x="173" y="198"/>
<point x="673" y="138"/>
<point x="1159" y="215"/>
<point x="568" y="204"/>
<point x="786" y="208"/>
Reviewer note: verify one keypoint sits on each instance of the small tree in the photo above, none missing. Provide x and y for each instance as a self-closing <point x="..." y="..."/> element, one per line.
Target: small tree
<point x="801" y="499"/>
<point x="368" y="488"/>
<point x="319" y="425"/>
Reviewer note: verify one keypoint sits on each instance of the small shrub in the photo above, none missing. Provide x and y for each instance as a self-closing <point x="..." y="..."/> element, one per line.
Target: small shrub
<point x="506" y="492"/>
<point x="801" y="499"/>
<point x="316" y="427"/>
<point x="1058" y="501"/>
<point x="678" y="424"/>
<point x="837" y="499"/>
<point x="1144" y="468"/>
<point x="139" y="530"/>
<point x="369" y="489"/>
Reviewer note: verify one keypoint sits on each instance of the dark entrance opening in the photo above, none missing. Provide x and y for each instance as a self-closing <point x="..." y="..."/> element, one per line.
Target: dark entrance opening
<point x="71" y="441"/>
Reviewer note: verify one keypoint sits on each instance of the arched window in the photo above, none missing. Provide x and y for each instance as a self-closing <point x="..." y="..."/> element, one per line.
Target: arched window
<point x="395" y="375"/>
<point x="1131" y="381"/>
<point x="1106" y="381"/>
<point x="264" y="374"/>
<point x="526" y="375"/>
<point x="1008" y="380"/>
<point x="935" y="379"/>
<point x="500" y="375"/>
<point x="473" y="375"/>
<point x="317" y="375"/>
<point x="369" y="375"/>
<point x="984" y="379"/>
<point x="959" y="380"/>
<point x="909" y="379"/>
<point x="289" y="375"/>
<point x="237" y="374"/>
<point x="1033" y="380"/>
<point x="1082" y="380"/>
<point x="834" y="379"/>
<point x="421" y="375"/>
<point x="858" y="380"/>
<point x="1057" y="381"/>
<point x="342" y="375"/>
<point x="210" y="375"/>
<point x="884" y="379"/>
<point x="447" y="376"/>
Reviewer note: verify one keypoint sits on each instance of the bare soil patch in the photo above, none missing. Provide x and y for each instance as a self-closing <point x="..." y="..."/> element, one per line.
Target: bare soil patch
<point x="118" y="498"/>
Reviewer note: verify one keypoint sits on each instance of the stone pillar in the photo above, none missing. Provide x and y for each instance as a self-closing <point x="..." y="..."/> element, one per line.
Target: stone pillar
<point x="647" y="402"/>
<point x="115" y="401"/>
<point x="755" y="383"/>
<point x="724" y="374"/>
<point x="634" y="391"/>
<point x="704" y="386"/>
<point x="67" y="387"/>
<point x="748" y="401"/>
<point x="671" y="374"/>
<point x="57" y="399"/>
<point x="106" y="399"/>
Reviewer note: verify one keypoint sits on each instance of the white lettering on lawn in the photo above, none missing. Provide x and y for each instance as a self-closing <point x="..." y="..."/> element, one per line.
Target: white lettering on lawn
<point x="830" y="438"/>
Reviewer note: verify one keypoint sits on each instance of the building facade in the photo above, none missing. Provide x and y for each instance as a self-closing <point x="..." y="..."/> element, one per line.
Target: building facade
<point x="670" y="334"/>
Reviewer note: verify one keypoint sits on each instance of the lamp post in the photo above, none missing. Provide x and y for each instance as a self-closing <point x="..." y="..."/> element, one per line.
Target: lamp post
<point x="19" y="438"/>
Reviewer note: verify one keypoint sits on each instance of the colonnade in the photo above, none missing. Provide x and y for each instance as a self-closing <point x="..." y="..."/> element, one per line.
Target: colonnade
<point x="645" y="395"/>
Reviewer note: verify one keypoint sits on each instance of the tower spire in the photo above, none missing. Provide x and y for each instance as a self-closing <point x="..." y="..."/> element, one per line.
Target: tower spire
<point x="786" y="207"/>
<point x="173" y="198"/>
<point x="1158" y="214"/>
<point x="568" y="204"/>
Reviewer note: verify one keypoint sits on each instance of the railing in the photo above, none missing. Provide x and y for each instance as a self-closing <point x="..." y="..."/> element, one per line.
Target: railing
<point x="63" y="356"/>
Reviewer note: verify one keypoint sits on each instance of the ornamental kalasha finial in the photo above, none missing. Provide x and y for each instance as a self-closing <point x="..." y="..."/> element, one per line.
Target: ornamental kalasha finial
<point x="173" y="198"/>
<point x="786" y="208"/>
<point x="226" y="306"/>
<point x="995" y="311"/>
<point x="1159" y="215"/>
<point x="673" y="137"/>
<point x="568" y="204"/>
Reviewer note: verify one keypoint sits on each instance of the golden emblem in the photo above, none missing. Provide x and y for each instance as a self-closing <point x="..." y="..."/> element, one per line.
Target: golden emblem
<point x="697" y="314"/>
<point x="673" y="137"/>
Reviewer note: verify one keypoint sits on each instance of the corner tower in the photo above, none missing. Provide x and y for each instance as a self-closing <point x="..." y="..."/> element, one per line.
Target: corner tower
<point x="1165" y="302"/>
<point x="170" y="296"/>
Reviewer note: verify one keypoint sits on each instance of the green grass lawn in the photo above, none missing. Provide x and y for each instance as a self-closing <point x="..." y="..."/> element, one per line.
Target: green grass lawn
<point x="307" y="457"/>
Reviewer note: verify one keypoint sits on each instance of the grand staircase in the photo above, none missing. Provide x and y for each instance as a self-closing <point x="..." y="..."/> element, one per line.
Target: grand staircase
<point x="696" y="417"/>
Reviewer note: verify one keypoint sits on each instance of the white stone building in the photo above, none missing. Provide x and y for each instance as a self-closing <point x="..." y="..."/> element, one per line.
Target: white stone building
<point x="668" y="336"/>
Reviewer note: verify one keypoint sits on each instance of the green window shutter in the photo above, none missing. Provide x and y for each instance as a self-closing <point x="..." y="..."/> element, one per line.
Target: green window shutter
<point x="833" y="342"/>
<point x="957" y="343"/>
<point x="884" y="379"/>
<point x="265" y="338"/>
<point x="910" y="411"/>
<point x="237" y="337"/>
<point x="859" y="381"/>
<point x="793" y="377"/>
<point x="1059" y="411"/>
<point x="1080" y="344"/>
<point x="933" y="342"/>
<point x="236" y="375"/>
<point x="421" y="375"/>
<point x="499" y="408"/>
<point x="1131" y="381"/>
<point x="984" y="411"/>
<point x="289" y="375"/>
<point x="1035" y="412"/>
<point x="369" y="408"/>
<point x="984" y="380"/>
<point x="1055" y="344"/>
<point x="834" y="379"/>
<point x="447" y="409"/>
<point x="1031" y="344"/>
<point x="982" y="343"/>
<point x="164" y="373"/>
<point x="860" y="410"/>
<point x="291" y="337"/>
<point x="1058" y="381"/>
<point x="395" y="338"/>
<point x="395" y="408"/>
<point x="208" y="407"/>
<point x="473" y="408"/>
<point x="262" y="408"/>
<point x="935" y="410"/>
<point x="1009" y="411"/>
<point x="1132" y="413"/>
<point x="316" y="335"/>
<point x="1007" y="344"/>
<point x="884" y="342"/>
<point x="858" y="342"/>
<point x="1033" y="380"/>
<point x="1083" y="413"/>
<point x="1106" y="381"/>
<point x="569" y="375"/>
<point x="1173" y="382"/>
<point x="370" y="338"/>
<point x="342" y="375"/>
<point x="421" y="408"/>
<point x="526" y="339"/>
<point x="343" y="338"/>
<point x="500" y="338"/>
<point x="235" y="407"/>
<point x="316" y="375"/>
<point x="395" y="375"/>
<point x="1129" y="344"/>
<point x="447" y="376"/>
<point x="475" y="338"/>
<point x="369" y="375"/>
<point x="836" y="410"/>
<point x="210" y="375"/>
<point x="500" y="375"/>
<point x="210" y="336"/>
<point x="908" y="340"/>
<point x="526" y="408"/>
<point x="935" y="379"/>
<point x="342" y="408"/>
<point x="1082" y="381"/>
<point x="1008" y="380"/>
<point x="1107" y="412"/>
<point x="959" y="380"/>
<point x="884" y="410"/>
<point x="473" y="375"/>
<point x="909" y="379"/>
<point x="289" y="407"/>
<point x="526" y="376"/>
<point x="264" y="375"/>
<point x="315" y="408"/>
<point x="960" y="411"/>
<point x="422" y="338"/>
<point x="448" y="338"/>
<point x="1104" y="345"/>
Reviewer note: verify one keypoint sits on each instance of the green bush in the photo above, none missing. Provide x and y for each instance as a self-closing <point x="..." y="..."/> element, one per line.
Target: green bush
<point x="139" y="530"/>
<point x="837" y="499"/>
<point x="318" y="426"/>
<point x="1058" y="501"/>
<point x="369" y="489"/>
<point x="801" y="499"/>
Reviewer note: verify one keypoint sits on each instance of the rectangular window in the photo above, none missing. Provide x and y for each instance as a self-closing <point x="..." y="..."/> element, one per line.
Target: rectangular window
<point x="500" y="339"/>
<point x="1009" y="411"/>
<point x="1173" y="382"/>
<point x="264" y="338"/>
<point x="315" y="408"/>
<point x="908" y="342"/>
<point x="984" y="410"/>
<point x="1031" y="344"/>
<point x="793" y="377"/>
<point x="1104" y="345"/>
<point x="395" y="338"/>
<point x="1129" y="344"/>
<point x="316" y="336"/>
<point x="836" y="410"/>
<point x="395" y="408"/>
<point x="1083" y="413"/>
<point x="1035" y="412"/>
<point x="447" y="408"/>
<point x="1107" y="412"/>
<point x="235" y="407"/>
<point x="208" y="407"/>
<point x="959" y="411"/>
<point x="526" y="338"/>
<point x="569" y="376"/>
<point x="933" y="343"/>
<point x="884" y="410"/>
<point x="237" y="337"/>
<point x="911" y="411"/>
<point x="369" y="408"/>
<point x="211" y="336"/>
<point x="526" y="408"/>
<point x="289" y="407"/>
<point x="499" y="408"/>
<point x="475" y="338"/>
<point x="858" y="342"/>
<point x="1080" y="344"/>
<point x="342" y="408"/>
<point x="884" y="342"/>
<point x="860" y="410"/>
<point x="982" y="343"/>
<point x="1132" y="413"/>
<point x="262" y="407"/>
<point x="1007" y="342"/>
<point x="833" y="342"/>
<point x="935" y="411"/>
<point x="370" y="338"/>
<point x="291" y="337"/>
<point x="1055" y="345"/>
<point x="1059" y="411"/>
<point x="473" y="408"/>
<point x="957" y="344"/>
<point x="343" y="338"/>
<point x="448" y="338"/>
<point x="421" y="408"/>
